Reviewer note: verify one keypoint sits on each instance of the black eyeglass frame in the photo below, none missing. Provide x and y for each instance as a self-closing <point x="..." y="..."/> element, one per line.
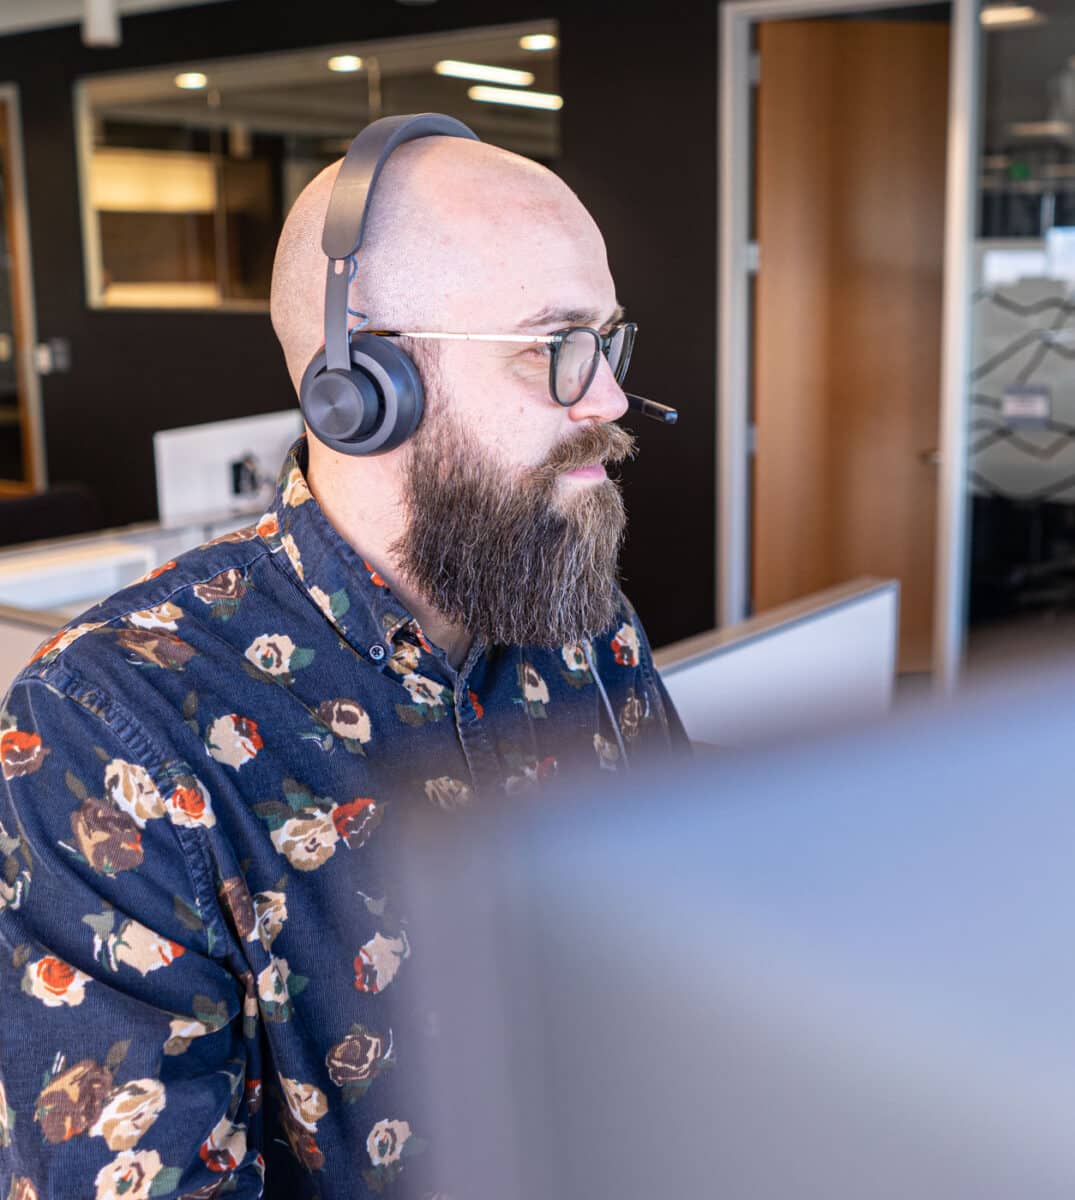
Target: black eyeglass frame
<point x="602" y="345"/>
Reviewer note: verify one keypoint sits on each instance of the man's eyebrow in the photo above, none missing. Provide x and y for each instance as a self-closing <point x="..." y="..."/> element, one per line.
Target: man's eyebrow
<point x="558" y="317"/>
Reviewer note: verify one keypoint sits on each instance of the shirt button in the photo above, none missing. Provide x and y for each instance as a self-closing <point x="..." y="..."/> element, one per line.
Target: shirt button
<point x="377" y="652"/>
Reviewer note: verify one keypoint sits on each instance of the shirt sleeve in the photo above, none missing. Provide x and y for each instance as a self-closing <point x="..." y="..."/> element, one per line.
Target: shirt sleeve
<point x="122" y="1061"/>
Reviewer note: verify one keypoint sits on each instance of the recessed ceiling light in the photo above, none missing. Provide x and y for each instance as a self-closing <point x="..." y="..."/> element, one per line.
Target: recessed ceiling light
<point x="538" y="41"/>
<point x="466" y="70"/>
<point x="495" y="95"/>
<point x="345" y="62"/>
<point x="191" y="80"/>
<point x="1008" y="16"/>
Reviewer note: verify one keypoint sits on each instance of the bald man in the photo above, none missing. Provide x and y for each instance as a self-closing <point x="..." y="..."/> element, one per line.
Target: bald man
<point x="206" y="776"/>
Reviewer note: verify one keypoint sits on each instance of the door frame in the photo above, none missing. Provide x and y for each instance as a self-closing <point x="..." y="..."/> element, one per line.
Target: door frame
<point x="29" y="382"/>
<point x="734" y="267"/>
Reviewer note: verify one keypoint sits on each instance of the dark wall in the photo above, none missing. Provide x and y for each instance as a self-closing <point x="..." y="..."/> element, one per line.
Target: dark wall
<point x="638" y="131"/>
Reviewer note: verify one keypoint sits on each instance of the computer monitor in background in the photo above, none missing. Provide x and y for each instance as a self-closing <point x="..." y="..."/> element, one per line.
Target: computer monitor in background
<point x="840" y="971"/>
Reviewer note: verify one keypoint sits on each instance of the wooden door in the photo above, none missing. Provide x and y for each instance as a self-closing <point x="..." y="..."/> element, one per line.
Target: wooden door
<point x="850" y="160"/>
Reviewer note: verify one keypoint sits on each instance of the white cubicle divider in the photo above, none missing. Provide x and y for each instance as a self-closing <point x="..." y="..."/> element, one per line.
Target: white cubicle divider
<point x="71" y="575"/>
<point x="826" y="661"/>
<point x="43" y="585"/>
<point x="194" y="465"/>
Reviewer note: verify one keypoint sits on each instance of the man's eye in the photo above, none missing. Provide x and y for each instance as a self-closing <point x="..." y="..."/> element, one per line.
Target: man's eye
<point x="541" y="350"/>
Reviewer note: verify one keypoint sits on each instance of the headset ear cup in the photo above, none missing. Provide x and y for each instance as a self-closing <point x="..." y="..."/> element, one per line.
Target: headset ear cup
<point x="339" y="407"/>
<point x="371" y="410"/>
<point x="401" y="392"/>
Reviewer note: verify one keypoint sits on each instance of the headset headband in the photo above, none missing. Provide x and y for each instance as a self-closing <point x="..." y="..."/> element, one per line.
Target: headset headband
<point x="345" y="222"/>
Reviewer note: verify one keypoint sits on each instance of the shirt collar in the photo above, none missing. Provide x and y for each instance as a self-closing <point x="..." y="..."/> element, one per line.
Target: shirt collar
<point x="340" y="582"/>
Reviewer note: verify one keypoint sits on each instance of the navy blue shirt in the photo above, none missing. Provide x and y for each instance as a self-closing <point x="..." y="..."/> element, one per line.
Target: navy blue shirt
<point x="203" y="963"/>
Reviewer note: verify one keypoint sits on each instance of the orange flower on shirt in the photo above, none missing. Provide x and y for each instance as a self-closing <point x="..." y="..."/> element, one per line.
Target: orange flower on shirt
<point x="268" y="526"/>
<point x="20" y="753"/>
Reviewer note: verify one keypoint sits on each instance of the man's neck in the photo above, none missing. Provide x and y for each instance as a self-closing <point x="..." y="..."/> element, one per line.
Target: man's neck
<point x="369" y="519"/>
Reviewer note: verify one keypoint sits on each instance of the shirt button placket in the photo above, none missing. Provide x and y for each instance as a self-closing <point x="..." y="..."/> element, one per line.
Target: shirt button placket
<point x="480" y="757"/>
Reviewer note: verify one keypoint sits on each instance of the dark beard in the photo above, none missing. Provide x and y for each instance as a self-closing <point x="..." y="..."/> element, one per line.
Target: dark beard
<point x="495" y="555"/>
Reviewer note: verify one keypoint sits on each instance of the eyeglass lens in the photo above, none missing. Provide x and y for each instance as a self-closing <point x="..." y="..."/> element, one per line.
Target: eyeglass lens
<point x="578" y="360"/>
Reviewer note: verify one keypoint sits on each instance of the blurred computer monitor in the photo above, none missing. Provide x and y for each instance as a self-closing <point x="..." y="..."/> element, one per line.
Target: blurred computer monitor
<point x="841" y="970"/>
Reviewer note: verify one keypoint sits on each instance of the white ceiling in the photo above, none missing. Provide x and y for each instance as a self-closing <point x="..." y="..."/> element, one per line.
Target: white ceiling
<point x="20" y="16"/>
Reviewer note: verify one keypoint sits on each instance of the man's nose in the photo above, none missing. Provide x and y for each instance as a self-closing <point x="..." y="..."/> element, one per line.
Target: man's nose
<point x="603" y="400"/>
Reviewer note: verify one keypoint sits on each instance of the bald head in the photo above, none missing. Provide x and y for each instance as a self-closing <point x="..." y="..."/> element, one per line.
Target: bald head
<point x="449" y="218"/>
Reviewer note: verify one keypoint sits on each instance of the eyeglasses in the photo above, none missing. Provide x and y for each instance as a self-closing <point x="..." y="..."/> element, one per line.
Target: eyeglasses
<point x="575" y="353"/>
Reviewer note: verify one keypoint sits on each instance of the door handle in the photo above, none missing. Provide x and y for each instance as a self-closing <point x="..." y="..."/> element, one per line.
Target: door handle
<point x="930" y="458"/>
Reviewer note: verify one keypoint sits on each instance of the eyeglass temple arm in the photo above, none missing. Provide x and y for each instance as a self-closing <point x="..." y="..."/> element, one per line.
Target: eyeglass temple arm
<point x="650" y="408"/>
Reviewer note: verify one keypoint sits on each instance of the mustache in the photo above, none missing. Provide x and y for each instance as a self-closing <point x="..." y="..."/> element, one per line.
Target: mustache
<point x="606" y="443"/>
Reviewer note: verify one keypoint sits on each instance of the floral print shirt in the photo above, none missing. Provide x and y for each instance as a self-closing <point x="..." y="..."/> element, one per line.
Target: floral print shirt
<point x="202" y="966"/>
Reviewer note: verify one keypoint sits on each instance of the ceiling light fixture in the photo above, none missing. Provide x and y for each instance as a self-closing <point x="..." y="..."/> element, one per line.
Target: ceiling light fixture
<point x="191" y="81"/>
<point x="467" y="70"/>
<point x="1010" y="16"/>
<point x="495" y="95"/>
<point x="538" y="41"/>
<point x="100" y="23"/>
<point x="345" y="62"/>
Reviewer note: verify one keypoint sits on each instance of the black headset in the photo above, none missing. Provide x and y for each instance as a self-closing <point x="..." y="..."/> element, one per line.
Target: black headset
<point x="362" y="394"/>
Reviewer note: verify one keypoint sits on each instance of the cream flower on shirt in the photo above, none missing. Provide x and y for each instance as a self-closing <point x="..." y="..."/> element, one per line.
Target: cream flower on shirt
<point x="143" y="949"/>
<point x="129" y="1176"/>
<point x="425" y="691"/>
<point x="625" y="645"/>
<point x="296" y="491"/>
<point x="163" y="616"/>
<point x="386" y="1140"/>
<point x="233" y="740"/>
<point x="307" y="840"/>
<point x="272" y="652"/>
<point x="377" y="963"/>
<point x="292" y="551"/>
<point x="131" y="788"/>
<point x="270" y="913"/>
<point x="129" y="1112"/>
<point x="307" y="1102"/>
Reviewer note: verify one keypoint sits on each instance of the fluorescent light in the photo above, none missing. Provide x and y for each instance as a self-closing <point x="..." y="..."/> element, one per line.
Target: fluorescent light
<point x="1009" y="16"/>
<point x="345" y="62"/>
<point x="466" y="70"/>
<point x="495" y="95"/>
<point x="191" y="80"/>
<point x="538" y="41"/>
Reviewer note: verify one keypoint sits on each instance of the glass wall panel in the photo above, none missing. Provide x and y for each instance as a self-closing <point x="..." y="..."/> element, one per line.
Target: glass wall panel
<point x="188" y="171"/>
<point x="1022" y="385"/>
